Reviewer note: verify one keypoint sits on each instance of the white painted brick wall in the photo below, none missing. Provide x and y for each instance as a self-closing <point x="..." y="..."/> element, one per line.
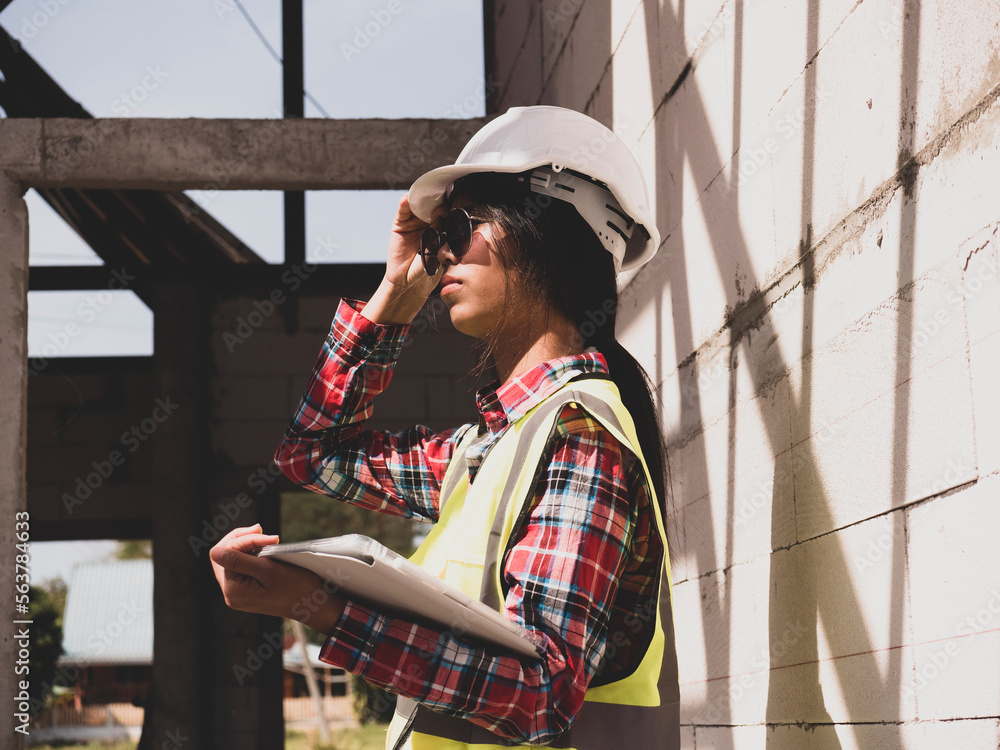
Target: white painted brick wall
<point x="825" y="333"/>
<point x="952" y="552"/>
<point x="980" y="734"/>
<point x="735" y="738"/>
<point x="854" y="392"/>
<point x="981" y="292"/>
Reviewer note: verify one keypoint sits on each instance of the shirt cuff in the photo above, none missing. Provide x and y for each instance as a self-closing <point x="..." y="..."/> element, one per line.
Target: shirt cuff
<point x="358" y="339"/>
<point x="353" y="638"/>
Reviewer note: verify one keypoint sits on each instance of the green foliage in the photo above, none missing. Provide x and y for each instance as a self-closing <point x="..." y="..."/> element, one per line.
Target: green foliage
<point x="134" y="549"/>
<point x="368" y="737"/>
<point x="371" y="703"/>
<point x="45" y="611"/>
<point x="57" y="590"/>
<point x="307" y="515"/>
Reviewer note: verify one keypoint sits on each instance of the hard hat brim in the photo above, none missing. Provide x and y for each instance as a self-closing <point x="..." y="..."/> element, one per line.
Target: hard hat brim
<point x="428" y="192"/>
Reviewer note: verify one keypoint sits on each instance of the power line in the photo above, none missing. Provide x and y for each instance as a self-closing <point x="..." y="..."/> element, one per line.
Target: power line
<point x="274" y="53"/>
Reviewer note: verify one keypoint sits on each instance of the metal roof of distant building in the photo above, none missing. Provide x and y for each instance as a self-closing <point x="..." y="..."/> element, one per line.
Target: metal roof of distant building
<point x="109" y="614"/>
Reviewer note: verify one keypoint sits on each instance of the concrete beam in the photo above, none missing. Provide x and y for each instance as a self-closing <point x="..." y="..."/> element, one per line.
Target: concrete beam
<point x="221" y="154"/>
<point x="13" y="425"/>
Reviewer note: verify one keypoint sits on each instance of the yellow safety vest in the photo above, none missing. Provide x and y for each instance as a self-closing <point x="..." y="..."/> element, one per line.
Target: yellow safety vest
<point x="466" y="548"/>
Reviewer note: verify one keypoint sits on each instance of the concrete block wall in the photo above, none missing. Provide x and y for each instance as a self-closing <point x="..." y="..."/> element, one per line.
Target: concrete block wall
<point x="261" y="370"/>
<point x="91" y="423"/>
<point x="823" y="323"/>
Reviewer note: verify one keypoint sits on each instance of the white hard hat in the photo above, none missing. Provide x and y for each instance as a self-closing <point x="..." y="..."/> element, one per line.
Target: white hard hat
<point x="562" y="147"/>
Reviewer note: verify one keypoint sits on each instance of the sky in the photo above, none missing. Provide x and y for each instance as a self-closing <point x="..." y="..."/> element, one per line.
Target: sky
<point x="204" y="58"/>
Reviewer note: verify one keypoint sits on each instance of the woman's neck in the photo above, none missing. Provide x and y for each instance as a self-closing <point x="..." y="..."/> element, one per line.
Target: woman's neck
<point x="527" y="348"/>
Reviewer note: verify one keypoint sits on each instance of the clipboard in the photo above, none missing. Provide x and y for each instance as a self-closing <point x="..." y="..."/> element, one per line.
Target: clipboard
<point x="371" y="572"/>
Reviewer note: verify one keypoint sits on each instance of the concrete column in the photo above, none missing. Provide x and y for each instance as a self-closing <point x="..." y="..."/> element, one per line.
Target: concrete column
<point x="198" y="696"/>
<point x="245" y="669"/>
<point x="181" y="447"/>
<point x="13" y="431"/>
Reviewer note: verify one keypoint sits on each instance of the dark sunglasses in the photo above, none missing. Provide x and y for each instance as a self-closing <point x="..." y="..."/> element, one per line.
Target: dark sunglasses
<point x="458" y="226"/>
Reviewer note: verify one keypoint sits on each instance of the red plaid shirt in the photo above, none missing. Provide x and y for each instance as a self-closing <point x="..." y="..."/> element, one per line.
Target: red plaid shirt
<point x="583" y="573"/>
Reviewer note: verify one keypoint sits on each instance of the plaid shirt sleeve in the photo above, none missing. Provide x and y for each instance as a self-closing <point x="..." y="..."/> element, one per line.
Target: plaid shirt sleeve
<point x="326" y="448"/>
<point x="563" y="574"/>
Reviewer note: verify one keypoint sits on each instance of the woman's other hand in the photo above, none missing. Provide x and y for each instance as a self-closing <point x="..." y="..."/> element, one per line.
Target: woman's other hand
<point x="270" y="587"/>
<point x="406" y="286"/>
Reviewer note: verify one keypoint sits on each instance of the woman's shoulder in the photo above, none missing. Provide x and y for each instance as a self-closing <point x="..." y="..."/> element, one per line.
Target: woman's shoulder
<point x="577" y="424"/>
<point x="581" y="440"/>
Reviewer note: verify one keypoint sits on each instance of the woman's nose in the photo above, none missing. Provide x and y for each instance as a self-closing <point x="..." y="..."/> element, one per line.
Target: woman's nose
<point x="445" y="255"/>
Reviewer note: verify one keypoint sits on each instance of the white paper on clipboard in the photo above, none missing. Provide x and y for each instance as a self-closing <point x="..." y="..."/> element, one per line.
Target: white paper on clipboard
<point x="365" y="569"/>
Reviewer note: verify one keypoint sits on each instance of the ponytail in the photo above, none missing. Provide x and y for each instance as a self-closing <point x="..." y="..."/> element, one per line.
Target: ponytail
<point x="638" y="397"/>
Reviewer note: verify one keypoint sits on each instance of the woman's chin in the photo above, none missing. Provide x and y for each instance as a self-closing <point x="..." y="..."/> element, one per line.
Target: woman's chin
<point x="467" y="324"/>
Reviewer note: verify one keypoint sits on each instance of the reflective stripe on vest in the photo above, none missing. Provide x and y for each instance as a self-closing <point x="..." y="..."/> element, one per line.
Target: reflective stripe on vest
<point x="467" y="547"/>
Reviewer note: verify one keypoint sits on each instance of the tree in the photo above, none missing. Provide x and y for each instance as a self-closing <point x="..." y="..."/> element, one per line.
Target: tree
<point x="307" y="515"/>
<point x="45" y="612"/>
<point x="57" y="590"/>
<point x="134" y="549"/>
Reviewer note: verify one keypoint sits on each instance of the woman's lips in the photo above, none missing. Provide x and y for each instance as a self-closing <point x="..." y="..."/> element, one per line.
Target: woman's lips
<point x="449" y="284"/>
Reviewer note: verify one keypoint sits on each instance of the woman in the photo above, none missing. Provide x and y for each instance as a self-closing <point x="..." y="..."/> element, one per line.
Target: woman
<point x="550" y="507"/>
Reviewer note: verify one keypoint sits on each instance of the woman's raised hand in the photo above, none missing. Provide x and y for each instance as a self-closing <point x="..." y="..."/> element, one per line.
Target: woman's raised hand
<point x="406" y="285"/>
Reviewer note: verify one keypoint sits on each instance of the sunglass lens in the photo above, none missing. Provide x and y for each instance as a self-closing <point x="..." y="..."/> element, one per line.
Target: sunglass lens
<point x="430" y="243"/>
<point x="458" y="228"/>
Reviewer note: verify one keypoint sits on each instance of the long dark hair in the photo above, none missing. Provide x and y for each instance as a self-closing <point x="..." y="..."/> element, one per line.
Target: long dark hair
<point x="555" y="260"/>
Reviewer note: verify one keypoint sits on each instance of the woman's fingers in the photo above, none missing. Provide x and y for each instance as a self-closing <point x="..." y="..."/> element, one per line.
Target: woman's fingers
<point x="409" y="284"/>
<point x="241" y="531"/>
<point x="403" y="211"/>
<point x="246" y="581"/>
<point x="236" y="561"/>
<point x="243" y="539"/>
<point x="231" y="560"/>
<point x="250" y="542"/>
<point x="406" y="221"/>
<point x="267" y="586"/>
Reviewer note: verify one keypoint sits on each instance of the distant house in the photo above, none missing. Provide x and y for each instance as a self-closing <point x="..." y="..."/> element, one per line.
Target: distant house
<point x="330" y="680"/>
<point x="108" y="631"/>
<point x="108" y="637"/>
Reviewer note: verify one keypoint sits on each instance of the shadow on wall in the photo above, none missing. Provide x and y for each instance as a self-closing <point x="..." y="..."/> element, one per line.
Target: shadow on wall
<point x="807" y="589"/>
